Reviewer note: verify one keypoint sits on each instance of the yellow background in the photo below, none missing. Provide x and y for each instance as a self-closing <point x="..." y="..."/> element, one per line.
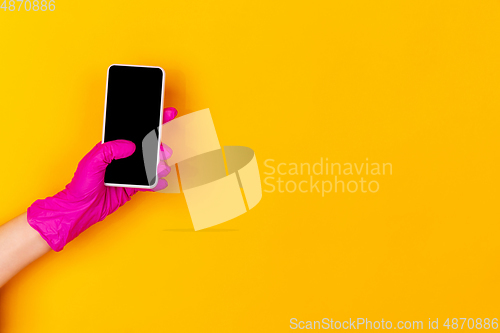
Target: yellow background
<point x="413" y="83"/>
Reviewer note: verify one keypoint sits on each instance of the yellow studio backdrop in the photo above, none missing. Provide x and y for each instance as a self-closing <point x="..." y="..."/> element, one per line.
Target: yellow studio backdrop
<point x="411" y="83"/>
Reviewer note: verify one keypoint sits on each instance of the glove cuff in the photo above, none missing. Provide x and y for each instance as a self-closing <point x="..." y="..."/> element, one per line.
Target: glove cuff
<point x="58" y="220"/>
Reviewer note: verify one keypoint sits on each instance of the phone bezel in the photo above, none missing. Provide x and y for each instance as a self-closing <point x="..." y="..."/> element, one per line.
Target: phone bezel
<point x="159" y="125"/>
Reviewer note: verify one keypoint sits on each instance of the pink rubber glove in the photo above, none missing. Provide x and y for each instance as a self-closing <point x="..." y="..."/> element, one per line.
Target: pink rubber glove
<point x="86" y="200"/>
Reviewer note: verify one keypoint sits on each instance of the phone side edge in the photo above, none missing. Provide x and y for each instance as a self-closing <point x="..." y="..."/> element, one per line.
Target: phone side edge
<point x="160" y="126"/>
<point x="105" y="102"/>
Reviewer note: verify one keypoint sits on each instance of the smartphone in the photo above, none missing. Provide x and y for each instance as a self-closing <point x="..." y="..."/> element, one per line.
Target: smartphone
<point x="133" y="111"/>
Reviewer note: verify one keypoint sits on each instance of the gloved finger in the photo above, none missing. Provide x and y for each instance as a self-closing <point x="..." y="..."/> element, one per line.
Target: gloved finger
<point x="169" y="114"/>
<point x="162" y="184"/>
<point x="165" y="152"/>
<point x="163" y="170"/>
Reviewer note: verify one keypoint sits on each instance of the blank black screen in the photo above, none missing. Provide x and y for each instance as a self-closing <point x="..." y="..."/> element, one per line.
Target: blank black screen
<point x="133" y="109"/>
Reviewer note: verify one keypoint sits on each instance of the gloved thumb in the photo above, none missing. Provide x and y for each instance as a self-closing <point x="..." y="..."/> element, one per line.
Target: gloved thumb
<point x="91" y="168"/>
<point x="113" y="150"/>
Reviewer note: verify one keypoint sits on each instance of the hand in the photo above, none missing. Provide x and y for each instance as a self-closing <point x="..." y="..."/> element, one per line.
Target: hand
<point x="86" y="200"/>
